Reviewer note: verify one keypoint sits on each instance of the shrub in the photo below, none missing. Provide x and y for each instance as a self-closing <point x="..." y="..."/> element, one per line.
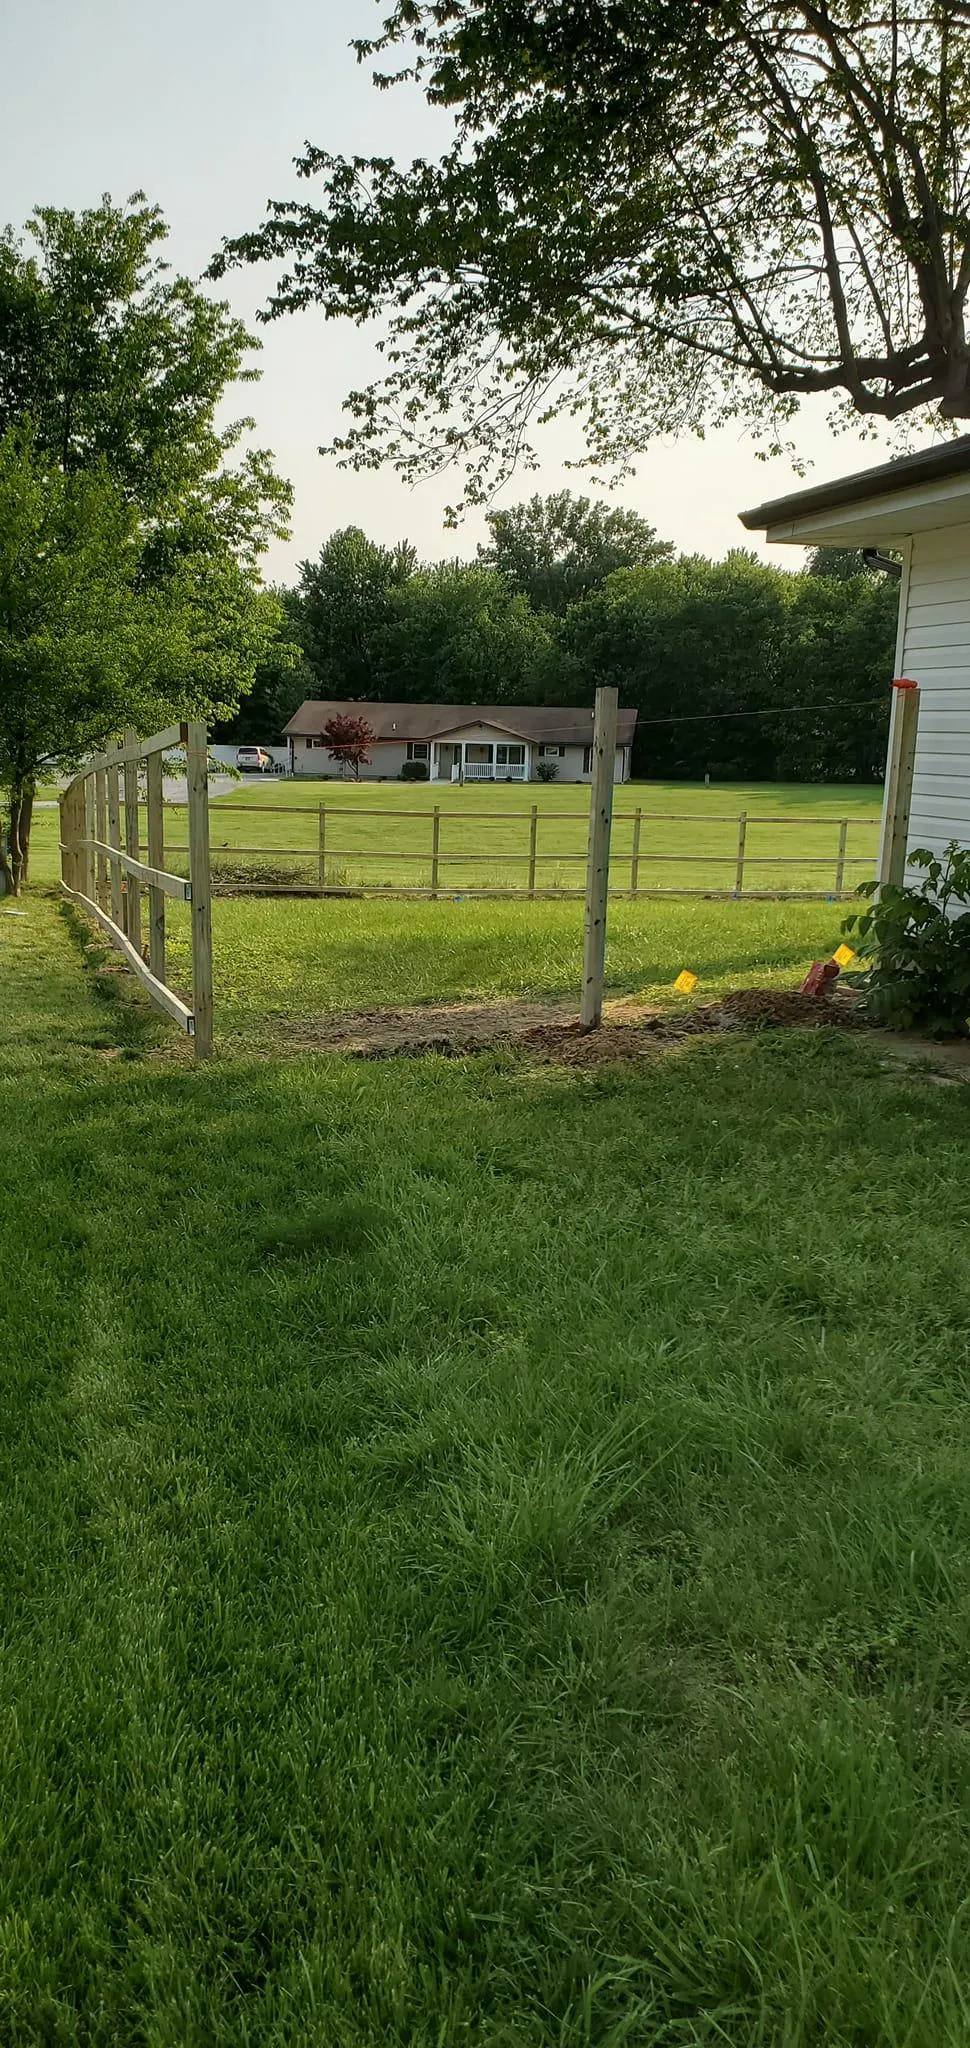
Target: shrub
<point x="546" y="771"/>
<point x="414" y="771"/>
<point x="920" y="952"/>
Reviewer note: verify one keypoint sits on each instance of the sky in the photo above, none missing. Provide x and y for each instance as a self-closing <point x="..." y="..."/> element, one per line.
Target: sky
<point x="203" y="107"/>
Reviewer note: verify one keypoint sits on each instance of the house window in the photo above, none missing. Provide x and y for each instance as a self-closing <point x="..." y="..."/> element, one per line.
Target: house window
<point x="509" y="756"/>
<point x="419" y="750"/>
<point x="551" y="747"/>
<point x="587" y="760"/>
<point x="316" y="743"/>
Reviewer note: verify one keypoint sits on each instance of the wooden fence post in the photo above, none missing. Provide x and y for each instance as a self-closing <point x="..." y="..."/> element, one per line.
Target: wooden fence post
<point x="132" y="845"/>
<point x="101" y="823"/>
<point x="322" y="849"/>
<point x="533" y="837"/>
<point x="635" y="855"/>
<point x="899" y="783"/>
<point x="840" y="860"/>
<point x="114" y="841"/>
<point x="197" y="771"/>
<point x="89" y="833"/>
<point x="154" y="797"/>
<point x="598" y="860"/>
<point x="435" y="839"/>
<point x="742" y="835"/>
<point x="62" y="838"/>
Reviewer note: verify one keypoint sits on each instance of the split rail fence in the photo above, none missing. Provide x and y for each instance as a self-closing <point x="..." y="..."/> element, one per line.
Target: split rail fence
<point x="103" y="873"/>
<point x="317" y="868"/>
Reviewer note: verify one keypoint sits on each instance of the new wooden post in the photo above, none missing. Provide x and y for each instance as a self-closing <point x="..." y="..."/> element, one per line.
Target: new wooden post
<point x="899" y="783"/>
<point x="197" y="770"/>
<point x="322" y="848"/>
<point x="840" y="860"/>
<point x="101" y="822"/>
<point x="62" y="811"/>
<point x="154" y="797"/>
<point x="598" y="861"/>
<point x="739" y="870"/>
<point x="435" y="838"/>
<point x="114" y="841"/>
<point x="533" y="836"/>
<point x="635" y="855"/>
<point x="132" y="845"/>
<point x="89" y="834"/>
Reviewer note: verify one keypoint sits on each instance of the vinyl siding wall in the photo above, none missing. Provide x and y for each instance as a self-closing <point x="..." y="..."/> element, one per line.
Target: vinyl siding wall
<point x="934" y="650"/>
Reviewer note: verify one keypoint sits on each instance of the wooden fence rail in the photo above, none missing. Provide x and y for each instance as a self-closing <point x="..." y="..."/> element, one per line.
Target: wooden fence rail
<point x="106" y="880"/>
<point x="334" y="827"/>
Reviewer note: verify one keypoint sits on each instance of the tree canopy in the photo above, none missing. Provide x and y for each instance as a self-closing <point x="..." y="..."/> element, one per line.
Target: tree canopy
<point x="653" y="214"/>
<point x="556" y="549"/>
<point x="131" y="524"/>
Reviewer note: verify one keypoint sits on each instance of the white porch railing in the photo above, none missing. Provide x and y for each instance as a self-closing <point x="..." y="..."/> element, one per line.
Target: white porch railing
<point x="487" y="771"/>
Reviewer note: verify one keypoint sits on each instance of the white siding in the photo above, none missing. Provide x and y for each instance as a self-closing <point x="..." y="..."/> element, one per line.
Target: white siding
<point x="935" y="651"/>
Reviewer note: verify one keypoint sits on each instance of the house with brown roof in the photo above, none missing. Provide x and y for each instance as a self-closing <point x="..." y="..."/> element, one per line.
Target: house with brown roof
<point x="462" y="742"/>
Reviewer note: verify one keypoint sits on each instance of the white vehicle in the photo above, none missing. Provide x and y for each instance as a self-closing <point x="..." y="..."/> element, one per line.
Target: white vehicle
<point x="255" y="761"/>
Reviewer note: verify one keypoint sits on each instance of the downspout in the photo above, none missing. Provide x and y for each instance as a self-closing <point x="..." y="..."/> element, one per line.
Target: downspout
<point x="896" y="713"/>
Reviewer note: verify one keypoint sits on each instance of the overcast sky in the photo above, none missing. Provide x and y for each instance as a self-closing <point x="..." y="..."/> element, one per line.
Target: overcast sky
<point x="203" y="104"/>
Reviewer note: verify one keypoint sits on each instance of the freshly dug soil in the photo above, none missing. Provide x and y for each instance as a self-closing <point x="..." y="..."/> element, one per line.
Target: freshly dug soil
<point x="551" y="1032"/>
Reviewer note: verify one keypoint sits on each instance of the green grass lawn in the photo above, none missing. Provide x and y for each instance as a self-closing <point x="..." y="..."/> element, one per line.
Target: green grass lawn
<point x="688" y="838"/>
<point x="279" y="960"/>
<point x="486" y="1550"/>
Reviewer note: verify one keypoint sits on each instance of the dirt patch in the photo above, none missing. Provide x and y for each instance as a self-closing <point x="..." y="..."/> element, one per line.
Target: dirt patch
<point x="552" y="1031"/>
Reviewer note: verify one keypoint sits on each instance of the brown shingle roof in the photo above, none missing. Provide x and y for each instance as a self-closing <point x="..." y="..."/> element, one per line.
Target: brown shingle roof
<point x="555" y="722"/>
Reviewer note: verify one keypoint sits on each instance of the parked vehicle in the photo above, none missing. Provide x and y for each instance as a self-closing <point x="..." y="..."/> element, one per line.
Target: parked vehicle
<point x="255" y="761"/>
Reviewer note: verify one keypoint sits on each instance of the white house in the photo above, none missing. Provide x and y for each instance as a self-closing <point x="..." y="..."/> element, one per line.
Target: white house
<point x="462" y="742"/>
<point x="918" y="506"/>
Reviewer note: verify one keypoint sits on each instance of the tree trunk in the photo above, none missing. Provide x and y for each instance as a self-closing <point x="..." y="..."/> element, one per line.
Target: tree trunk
<point x="16" y="861"/>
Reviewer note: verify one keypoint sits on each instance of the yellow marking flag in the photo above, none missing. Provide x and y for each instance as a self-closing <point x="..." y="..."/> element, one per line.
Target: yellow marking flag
<point x="685" y="982"/>
<point x="843" y="955"/>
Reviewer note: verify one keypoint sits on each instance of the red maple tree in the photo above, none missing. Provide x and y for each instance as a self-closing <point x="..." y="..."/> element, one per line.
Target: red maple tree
<point x="349" y="741"/>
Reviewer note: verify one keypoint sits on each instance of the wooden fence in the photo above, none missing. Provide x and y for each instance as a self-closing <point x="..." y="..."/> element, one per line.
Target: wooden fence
<point x="747" y="875"/>
<point x="107" y="879"/>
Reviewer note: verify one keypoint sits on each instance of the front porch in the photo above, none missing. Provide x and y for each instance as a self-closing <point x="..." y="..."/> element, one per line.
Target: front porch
<point x="480" y="761"/>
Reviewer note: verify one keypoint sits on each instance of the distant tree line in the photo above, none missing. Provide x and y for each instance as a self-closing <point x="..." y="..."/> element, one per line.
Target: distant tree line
<point x="568" y="595"/>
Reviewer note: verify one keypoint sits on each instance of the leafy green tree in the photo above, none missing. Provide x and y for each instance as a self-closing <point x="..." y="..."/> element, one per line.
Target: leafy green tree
<point x="344" y="602"/>
<point x="282" y="681"/>
<point x="458" y="635"/>
<point x="87" y="644"/>
<point x="559" y="548"/>
<point x="725" y="662"/>
<point x="111" y="374"/>
<point x="653" y="214"/>
<point x="842" y="563"/>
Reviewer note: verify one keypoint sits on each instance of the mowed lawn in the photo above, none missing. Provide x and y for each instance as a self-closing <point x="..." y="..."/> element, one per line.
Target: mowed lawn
<point x="282" y="959"/>
<point x="381" y="834"/>
<point x="486" y="1549"/>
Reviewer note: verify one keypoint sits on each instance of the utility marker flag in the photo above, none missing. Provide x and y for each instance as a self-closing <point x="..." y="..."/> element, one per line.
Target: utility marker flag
<point x="843" y="955"/>
<point x="686" y="981"/>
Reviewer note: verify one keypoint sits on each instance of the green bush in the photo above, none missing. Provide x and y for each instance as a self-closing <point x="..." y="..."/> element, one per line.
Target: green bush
<point x="546" y="771"/>
<point x="414" y="771"/>
<point x="920" y="951"/>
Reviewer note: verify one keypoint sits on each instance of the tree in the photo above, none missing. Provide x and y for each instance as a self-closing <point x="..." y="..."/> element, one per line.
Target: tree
<point x="87" y="645"/>
<point x="842" y="563"/>
<point x="349" y="741"/>
<point x="728" y="662"/>
<point x="343" y="603"/>
<point x="130" y="541"/>
<point x="282" y="681"/>
<point x="458" y="635"/>
<point x="654" y="214"/>
<point x="557" y="549"/>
